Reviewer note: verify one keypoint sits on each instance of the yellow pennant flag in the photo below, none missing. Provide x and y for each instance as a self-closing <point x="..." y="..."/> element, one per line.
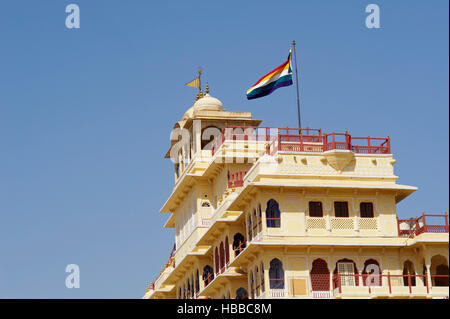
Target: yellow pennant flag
<point x="194" y="83"/>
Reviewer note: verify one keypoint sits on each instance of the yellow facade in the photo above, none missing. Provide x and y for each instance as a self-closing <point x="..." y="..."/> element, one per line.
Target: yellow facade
<point x="283" y="213"/>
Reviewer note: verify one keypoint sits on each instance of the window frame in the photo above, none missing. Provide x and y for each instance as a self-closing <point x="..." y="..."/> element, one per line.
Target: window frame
<point x="273" y="216"/>
<point x="321" y="208"/>
<point x="336" y="210"/>
<point x="361" y="210"/>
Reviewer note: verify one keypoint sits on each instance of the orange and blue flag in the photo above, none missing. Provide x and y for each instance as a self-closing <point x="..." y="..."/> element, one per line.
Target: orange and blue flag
<point x="281" y="76"/>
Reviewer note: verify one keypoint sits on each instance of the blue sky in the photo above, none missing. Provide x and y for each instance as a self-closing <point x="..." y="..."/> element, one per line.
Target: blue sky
<point x="85" y="116"/>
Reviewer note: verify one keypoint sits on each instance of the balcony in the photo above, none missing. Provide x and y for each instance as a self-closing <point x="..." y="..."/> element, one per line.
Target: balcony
<point x="352" y="226"/>
<point x="302" y="140"/>
<point x="236" y="179"/>
<point x="385" y="285"/>
<point x="208" y="279"/>
<point x="329" y="142"/>
<point x="427" y="223"/>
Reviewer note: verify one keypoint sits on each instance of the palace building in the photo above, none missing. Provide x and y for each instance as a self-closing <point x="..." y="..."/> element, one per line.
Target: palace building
<point x="267" y="212"/>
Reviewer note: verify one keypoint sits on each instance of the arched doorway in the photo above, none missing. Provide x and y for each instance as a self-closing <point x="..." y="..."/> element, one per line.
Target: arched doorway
<point x="227" y="251"/>
<point x="222" y="257"/>
<point x="320" y="279"/>
<point x="216" y="260"/>
<point x="252" y="285"/>
<point x="409" y="273"/>
<point x="347" y="271"/>
<point x="439" y="271"/>
<point x="371" y="273"/>
<point x="276" y="274"/>
<point x="208" y="274"/>
<point x="197" y="282"/>
<point x="273" y="216"/>
<point x="238" y="243"/>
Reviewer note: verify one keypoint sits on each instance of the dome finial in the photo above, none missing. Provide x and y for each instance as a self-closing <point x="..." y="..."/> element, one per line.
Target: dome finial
<point x="201" y="93"/>
<point x="197" y="97"/>
<point x="207" y="88"/>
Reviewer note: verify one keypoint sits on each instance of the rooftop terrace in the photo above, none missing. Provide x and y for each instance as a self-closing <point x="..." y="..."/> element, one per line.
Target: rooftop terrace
<point x="303" y="140"/>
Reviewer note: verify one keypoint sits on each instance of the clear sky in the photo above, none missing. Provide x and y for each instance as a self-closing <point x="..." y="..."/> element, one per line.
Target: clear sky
<point x="85" y="116"/>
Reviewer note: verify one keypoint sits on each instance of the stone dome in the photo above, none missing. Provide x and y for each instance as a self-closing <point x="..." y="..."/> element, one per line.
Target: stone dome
<point x="206" y="103"/>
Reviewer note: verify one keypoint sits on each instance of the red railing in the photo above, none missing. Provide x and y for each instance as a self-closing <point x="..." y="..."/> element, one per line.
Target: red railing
<point x="239" y="249"/>
<point x="208" y="279"/>
<point x="236" y="179"/>
<point x="376" y="280"/>
<point x="320" y="282"/>
<point x="303" y="140"/>
<point x="427" y="223"/>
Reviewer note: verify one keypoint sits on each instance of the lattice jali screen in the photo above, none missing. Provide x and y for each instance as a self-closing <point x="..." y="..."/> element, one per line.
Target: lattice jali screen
<point x="315" y="223"/>
<point x="347" y="271"/>
<point x="368" y="223"/>
<point x="342" y="223"/>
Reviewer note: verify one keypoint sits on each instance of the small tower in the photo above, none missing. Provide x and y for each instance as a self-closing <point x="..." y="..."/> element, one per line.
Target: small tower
<point x="206" y="113"/>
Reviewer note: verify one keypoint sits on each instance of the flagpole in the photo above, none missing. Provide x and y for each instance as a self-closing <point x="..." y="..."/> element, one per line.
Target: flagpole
<point x="199" y="80"/>
<point x="296" y="82"/>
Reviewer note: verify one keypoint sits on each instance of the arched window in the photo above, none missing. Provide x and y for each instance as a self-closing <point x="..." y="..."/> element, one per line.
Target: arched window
<point x="371" y="273"/>
<point x="320" y="278"/>
<point x="255" y="222"/>
<point x="273" y="214"/>
<point x="227" y="251"/>
<point x="257" y="280"/>
<point x="263" y="288"/>
<point x="347" y="271"/>
<point x="197" y="282"/>
<point x="241" y="293"/>
<point x="259" y="217"/>
<point x="439" y="271"/>
<point x="208" y="274"/>
<point x="252" y="286"/>
<point x="193" y="286"/>
<point x="216" y="260"/>
<point x="222" y="257"/>
<point x="238" y="244"/>
<point x="409" y="273"/>
<point x="441" y="276"/>
<point x="188" y="293"/>
<point x="249" y="226"/>
<point x="276" y="274"/>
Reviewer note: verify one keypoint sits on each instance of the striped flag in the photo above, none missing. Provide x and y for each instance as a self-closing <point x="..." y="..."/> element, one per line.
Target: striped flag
<point x="281" y="76"/>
